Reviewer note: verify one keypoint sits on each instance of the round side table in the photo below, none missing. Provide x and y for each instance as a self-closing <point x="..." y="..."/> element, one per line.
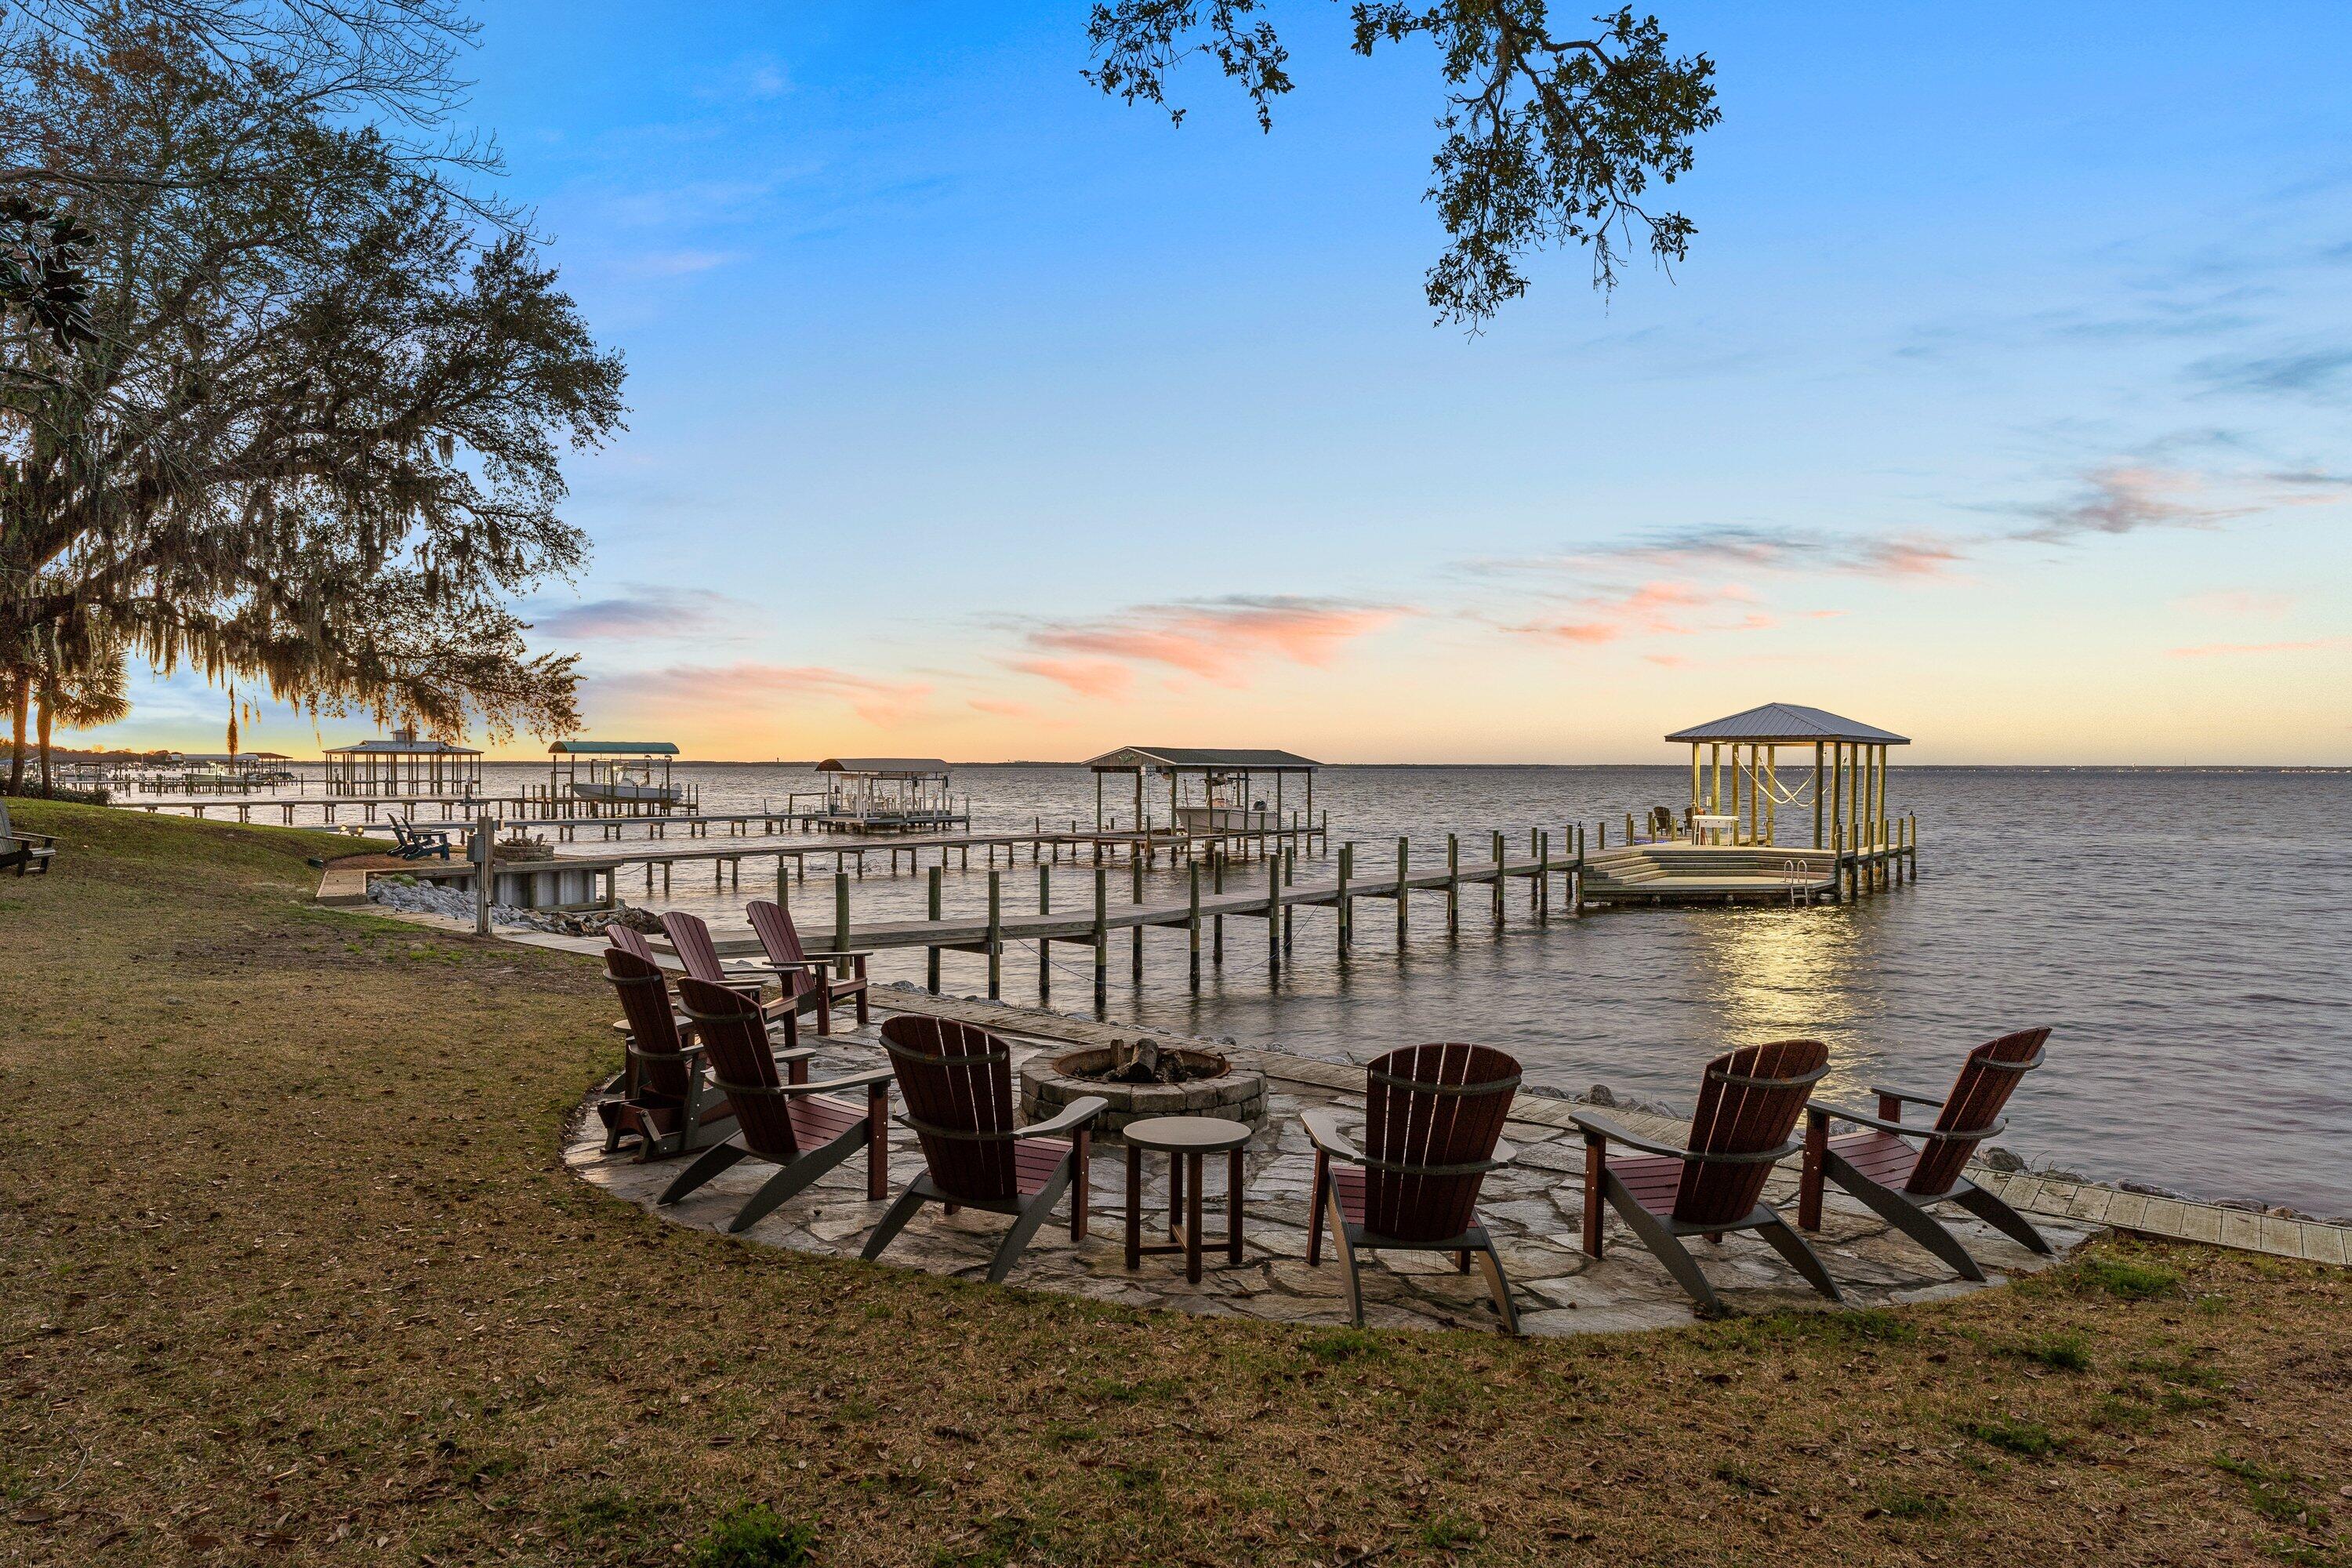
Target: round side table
<point x="1185" y="1140"/>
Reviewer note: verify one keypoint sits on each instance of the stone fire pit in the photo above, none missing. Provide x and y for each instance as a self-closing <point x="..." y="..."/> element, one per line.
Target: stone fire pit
<point x="1143" y="1078"/>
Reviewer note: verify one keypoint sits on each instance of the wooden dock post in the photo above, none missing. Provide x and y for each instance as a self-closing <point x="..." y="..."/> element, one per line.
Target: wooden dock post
<point x="840" y="912"/>
<point x="782" y="883"/>
<point x="931" y="953"/>
<point x="1102" y="936"/>
<point x="1499" y="881"/>
<point x="1193" y="921"/>
<point x="1285" y="861"/>
<point x="1535" y="884"/>
<point x="1217" y="922"/>
<point x="1346" y="905"/>
<point x="1543" y="874"/>
<point x="1136" y="946"/>
<point x="1044" y="943"/>
<point x="484" y="836"/>
<point x="1576" y="878"/>
<point x="995" y="935"/>
<point x="1453" y="884"/>
<point x="1404" y="865"/>
<point x="1273" y="914"/>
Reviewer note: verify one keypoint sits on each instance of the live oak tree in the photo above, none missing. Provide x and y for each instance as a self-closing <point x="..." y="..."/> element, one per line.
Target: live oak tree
<point x="314" y="440"/>
<point x="1551" y="134"/>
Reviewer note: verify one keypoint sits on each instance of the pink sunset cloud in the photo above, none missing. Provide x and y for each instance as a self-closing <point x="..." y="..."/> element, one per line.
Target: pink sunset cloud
<point x="1653" y="609"/>
<point x="1087" y="676"/>
<point x="1215" y="639"/>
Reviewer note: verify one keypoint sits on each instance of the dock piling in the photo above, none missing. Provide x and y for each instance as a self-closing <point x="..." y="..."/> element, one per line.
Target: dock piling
<point x="1193" y="921"/>
<point x="1346" y="903"/>
<point x="1453" y="884"/>
<point x="1404" y="863"/>
<point x="995" y="935"/>
<point x="931" y="953"/>
<point x="1102" y="937"/>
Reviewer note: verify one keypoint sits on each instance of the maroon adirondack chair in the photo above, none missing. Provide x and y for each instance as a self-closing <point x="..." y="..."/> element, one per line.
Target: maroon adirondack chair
<point x="1747" y="1107"/>
<point x="630" y="940"/>
<point x="1432" y="1129"/>
<point x="957" y="1082"/>
<point x="804" y="1129"/>
<point x="1899" y="1181"/>
<point x="699" y="956"/>
<point x="807" y="981"/>
<point x="665" y="1098"/>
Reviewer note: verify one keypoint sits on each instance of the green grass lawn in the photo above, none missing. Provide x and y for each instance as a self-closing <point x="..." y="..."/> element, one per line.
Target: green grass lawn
<point x="289" y="1272"/>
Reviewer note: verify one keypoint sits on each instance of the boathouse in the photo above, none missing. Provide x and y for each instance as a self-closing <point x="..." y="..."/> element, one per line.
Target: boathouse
<point x="631" y="776"/>
<point x="886" y="794"/>
<point x="402" y="765"/>
<point x="1210" y="790"/>
<point x="1735" y="788"/>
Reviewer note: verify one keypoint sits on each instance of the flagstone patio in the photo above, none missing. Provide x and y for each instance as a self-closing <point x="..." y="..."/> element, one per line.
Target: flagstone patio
<point x="1532" y="1208"/>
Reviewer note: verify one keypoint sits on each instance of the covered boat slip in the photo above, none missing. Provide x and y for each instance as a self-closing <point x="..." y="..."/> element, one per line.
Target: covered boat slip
<point x="1210" y="791"/>
<point x="622" y="777"/>
<point x="886" y="794"/>
<point x="403" y="766"/>
<point x="1727" y="842"/>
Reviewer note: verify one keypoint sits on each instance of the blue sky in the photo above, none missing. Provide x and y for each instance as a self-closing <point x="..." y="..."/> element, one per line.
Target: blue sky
<point x="2001" y="400"/>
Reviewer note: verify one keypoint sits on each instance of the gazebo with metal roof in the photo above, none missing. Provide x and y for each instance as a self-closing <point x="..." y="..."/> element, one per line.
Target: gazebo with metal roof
<point x="1228" y="803"/>
<point x="402" y="765"/>
<point x="1847" y="789"/>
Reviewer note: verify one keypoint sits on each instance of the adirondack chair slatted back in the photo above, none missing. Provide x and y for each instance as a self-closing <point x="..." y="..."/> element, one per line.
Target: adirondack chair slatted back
<point x="1662" y="821"/>
<point x="735" y="1044"/>
<point x="957" y="1082"/>
<point x="1431" y="1117"/>
<point x="653" y="1028"/>
<point x="630" y="940"/>
<point x="1748" y="1102"/>
<point x="691" y="938"/>
<point x="1986" y="1079"/>
<point x="774" y="925"/>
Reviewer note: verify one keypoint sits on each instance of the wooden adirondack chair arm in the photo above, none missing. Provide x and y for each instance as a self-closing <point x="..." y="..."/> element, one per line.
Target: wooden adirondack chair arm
<point x="21" y="836"/>
<point x="816" y="957"/>
<point x="1601" y="1127"/>
<point x="687" y="1055"/>
<point x="1323" y="1132"/>
<point x="1074" y="1116"/>
<point x="848" y="1080"/>
<point x="1913" y="1096"/>
<point x="1908" y="1129"/>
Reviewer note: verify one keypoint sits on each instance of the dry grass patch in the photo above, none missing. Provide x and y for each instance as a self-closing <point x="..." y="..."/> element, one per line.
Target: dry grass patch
<point x="289" y="1273"/>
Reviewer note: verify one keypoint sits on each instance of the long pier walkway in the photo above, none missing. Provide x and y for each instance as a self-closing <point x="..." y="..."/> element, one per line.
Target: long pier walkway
<point x="1216" y="894"/>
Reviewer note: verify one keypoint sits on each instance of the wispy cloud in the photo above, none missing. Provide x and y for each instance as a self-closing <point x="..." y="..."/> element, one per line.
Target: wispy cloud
<point x="2317" y="373"/>
<point x="2238" y="650"/>
<point x="1087" y="676"/>
<point x="647" y="612"/>
<point x="1653" y="609"/>
<point x="746" y="689"/>
<point x="2127" y="497"/>
<point x="1703" y="548"/>
<point x="1216" y="640"/>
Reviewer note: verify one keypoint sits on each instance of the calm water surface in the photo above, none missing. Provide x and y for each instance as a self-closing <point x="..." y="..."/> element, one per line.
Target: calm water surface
<point x="2184" y="932"/>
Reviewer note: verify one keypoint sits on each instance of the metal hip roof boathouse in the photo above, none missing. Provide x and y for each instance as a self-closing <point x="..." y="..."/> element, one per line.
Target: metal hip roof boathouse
<point x="1727" y="844"/>
<point x="1210" y="790"/>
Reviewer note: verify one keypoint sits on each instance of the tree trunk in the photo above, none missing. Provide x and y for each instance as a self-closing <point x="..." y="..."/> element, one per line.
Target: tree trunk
<point x="48" y="783"/>
<point x="17" y="699"/>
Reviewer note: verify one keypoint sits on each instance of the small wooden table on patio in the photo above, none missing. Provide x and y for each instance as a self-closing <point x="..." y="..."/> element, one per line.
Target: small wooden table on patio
<point x="1185" y="1140"/>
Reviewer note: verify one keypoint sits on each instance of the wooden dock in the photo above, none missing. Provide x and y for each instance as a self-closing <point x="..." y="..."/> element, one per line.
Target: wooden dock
<point x="1219" y="890"/>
